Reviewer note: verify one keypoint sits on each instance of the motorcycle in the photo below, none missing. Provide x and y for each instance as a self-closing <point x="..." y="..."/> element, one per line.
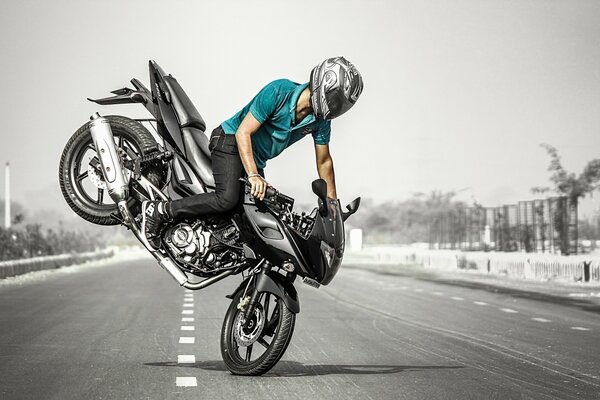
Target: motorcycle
<point x="265" y="241"/>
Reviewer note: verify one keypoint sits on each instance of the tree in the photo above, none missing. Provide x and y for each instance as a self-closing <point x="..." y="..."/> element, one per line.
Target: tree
<point x="570" y="185"/>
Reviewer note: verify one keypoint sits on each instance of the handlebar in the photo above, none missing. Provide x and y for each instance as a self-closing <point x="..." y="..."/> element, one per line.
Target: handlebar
<point x="271" y="192"/>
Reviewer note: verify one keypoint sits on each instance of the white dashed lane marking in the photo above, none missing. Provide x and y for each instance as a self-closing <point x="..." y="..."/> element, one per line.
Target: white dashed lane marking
<point x="479" y="303"/>
<point x="543" y="320"/>
<point x="188" y="304"/>
<point x="186" y="381"/>
<point x="188" y="328"/>
<point x="580" y="328"/>
<point x="186" y="359"/>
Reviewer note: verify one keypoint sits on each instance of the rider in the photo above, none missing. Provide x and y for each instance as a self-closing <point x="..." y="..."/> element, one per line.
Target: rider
<point x="282" y="113"/>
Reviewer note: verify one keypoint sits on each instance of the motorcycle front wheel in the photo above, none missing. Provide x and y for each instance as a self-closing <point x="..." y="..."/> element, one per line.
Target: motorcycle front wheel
<point x="255" y="348"/>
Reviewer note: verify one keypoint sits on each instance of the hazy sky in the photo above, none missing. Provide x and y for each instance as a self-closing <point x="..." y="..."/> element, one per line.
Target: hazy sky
<point x="458" y="94"/>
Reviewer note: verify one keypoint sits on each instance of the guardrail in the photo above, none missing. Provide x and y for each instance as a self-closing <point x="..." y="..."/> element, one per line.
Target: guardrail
<point x="584" y="268"/>
<point x="23" y="266"/>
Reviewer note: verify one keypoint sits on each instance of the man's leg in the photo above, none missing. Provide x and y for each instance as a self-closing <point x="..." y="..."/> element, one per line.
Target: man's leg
<point x="227" y="169"/>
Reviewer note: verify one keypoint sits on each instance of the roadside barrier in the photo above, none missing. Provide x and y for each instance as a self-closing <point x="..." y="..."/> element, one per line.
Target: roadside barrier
<point x="23" y="266"/>
<point x="582" y="268"/>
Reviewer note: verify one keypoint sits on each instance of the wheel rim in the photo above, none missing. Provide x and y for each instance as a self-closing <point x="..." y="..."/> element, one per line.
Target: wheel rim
<point x="250" y="345"/>
<point x="86" y="176"/>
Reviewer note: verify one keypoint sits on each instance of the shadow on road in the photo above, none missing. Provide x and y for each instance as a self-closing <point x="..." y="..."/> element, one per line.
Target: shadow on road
<point x="293" y="368"/>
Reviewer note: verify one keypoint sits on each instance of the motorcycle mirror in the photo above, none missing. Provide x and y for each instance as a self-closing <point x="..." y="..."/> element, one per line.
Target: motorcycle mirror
<point x="352" y="208"/>
<point x="319" y="187"/>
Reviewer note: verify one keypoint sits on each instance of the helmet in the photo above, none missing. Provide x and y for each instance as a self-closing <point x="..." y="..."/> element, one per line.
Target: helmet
<point x="335" y="85"/>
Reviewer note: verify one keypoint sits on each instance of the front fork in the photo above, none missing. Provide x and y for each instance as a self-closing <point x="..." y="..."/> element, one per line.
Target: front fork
<point x="265" y="268"/>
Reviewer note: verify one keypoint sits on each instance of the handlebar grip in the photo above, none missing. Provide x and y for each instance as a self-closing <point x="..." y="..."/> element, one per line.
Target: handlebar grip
<point x="270" y="192"/>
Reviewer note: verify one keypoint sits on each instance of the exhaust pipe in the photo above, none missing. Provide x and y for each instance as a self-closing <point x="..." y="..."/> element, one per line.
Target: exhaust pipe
<point x="112" y="168"/>
<point x="117" y="184"/>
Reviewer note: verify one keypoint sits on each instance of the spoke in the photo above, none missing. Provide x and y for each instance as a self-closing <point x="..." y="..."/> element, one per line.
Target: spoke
<point x="248" y="353"/>
<point x="263" y="342"/>
<point x="100" y="195"/>
<point x="120" y="141"/>
<point x="82" y="176"/>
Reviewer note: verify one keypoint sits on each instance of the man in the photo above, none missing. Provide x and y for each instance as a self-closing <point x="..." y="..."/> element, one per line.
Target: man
<point x="282" y="113"/>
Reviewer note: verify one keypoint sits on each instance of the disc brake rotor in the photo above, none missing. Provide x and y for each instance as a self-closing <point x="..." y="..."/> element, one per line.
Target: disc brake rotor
<point x="246" y="337"/>
<point x="95" y="177"/>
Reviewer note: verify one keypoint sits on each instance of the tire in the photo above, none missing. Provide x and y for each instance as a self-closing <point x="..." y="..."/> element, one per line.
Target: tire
<point x="135" y="137"/>
<point x="281" y="333"/>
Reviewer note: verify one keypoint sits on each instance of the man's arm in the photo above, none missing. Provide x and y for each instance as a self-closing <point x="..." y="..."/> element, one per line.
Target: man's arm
<point x="325" y="168"/>
<point x="243" y="137"/>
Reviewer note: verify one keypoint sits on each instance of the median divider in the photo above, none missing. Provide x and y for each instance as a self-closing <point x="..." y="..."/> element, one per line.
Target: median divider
<point x="580" y="268"/>
<point x="25" y="265"/>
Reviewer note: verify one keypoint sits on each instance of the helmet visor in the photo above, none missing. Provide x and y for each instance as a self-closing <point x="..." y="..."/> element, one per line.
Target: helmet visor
<point x="337" y="103"/>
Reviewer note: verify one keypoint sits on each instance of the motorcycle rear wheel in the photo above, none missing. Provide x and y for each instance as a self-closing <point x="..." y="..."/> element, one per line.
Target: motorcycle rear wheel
<point x="271" y="336"/>
<point x="77" y="179"/>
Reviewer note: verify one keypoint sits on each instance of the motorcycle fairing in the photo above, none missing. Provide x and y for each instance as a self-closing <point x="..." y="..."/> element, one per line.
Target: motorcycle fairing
<point x="325" y="240"/>
<point x="269" y="236"/>
<point x="317" y="256"/>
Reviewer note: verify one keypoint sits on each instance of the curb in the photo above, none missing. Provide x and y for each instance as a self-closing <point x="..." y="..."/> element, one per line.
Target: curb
<point x="526" y="266"/>
<point x="23" y="266"/>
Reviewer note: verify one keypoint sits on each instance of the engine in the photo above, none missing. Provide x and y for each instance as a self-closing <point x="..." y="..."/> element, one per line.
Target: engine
<point x="202" y="249"/>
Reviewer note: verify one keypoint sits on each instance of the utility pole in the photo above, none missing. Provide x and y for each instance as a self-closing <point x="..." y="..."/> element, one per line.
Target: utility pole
<point x="7" y="196"/>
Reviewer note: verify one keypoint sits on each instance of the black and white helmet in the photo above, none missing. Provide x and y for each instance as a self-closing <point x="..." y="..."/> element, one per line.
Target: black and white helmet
<point x="335" y="85"/>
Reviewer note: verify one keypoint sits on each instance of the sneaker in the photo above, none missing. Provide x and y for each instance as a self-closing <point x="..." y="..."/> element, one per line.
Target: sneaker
<point x="154" y="218"/>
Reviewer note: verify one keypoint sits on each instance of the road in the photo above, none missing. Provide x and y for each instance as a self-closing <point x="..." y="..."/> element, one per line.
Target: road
<point x="112" y="330"/>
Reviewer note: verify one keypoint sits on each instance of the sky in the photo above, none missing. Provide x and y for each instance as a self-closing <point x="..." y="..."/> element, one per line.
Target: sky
<point x="458" y="95"/>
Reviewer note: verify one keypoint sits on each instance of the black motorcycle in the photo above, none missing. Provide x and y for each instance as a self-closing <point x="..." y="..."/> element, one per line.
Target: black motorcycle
<point x="265" y="241"/>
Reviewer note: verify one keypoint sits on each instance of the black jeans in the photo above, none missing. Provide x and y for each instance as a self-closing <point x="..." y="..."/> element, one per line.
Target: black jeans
<point x="227" y="170"/>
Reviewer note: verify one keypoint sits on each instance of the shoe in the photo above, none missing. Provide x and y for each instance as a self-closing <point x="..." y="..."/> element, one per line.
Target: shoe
<point x="154" y="218"/>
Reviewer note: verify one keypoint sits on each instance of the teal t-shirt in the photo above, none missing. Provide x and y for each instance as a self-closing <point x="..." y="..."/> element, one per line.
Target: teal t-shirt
<point x="275" y="108"/>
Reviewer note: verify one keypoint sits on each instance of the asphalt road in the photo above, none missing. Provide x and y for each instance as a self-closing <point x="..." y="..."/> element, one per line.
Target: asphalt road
<point x="115" y="331"/>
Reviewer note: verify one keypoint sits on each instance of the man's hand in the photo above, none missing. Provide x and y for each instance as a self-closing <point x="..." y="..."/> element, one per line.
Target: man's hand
<point x="259" y="186"/>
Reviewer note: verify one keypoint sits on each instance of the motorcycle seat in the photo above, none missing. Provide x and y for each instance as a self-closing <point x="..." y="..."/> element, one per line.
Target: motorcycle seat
<point x="187" y="114"/>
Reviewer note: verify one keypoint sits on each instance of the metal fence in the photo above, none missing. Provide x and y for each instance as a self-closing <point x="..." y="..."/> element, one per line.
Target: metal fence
<point x="542" y="226"/>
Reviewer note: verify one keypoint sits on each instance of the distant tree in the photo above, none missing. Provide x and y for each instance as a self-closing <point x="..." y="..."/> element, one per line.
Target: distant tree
<point x="17" y="219"/>
<point x="571" y="185"/>
<point x="17" y="212"/>
<point x="412" y="220"/>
